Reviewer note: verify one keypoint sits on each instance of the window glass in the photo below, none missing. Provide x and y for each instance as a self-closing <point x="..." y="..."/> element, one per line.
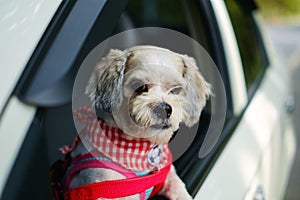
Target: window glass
<point x="172" y="14"/>
<point x="250" y="45"/>
<point x="158" y="13"/>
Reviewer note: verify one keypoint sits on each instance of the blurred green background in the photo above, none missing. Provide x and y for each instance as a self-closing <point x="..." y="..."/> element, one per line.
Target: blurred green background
<point x="280" y="10"/>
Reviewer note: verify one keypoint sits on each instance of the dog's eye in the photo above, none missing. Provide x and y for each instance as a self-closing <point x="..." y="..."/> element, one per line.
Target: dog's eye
<point x="176" y="90"/>
<point x="141" y="89"/>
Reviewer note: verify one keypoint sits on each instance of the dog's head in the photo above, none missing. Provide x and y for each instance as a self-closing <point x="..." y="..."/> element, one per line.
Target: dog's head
<point x="149" y="91"/>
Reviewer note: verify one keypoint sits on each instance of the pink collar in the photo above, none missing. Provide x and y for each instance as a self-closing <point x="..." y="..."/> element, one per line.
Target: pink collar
<point x="137" y="155"/>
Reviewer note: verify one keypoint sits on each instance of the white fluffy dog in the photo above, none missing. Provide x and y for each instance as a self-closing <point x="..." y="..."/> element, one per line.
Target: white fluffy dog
<point x="146" y="92"/>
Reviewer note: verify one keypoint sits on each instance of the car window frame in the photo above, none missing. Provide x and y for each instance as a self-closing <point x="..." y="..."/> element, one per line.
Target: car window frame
<point x="251" y="8"/>
<point x="65" y="48"/>
<point x="195" y="175"/>
<point x="202" y="167"/>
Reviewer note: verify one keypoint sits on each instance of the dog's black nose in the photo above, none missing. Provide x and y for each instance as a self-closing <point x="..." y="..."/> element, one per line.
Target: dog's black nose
<point x="162" y="110"/>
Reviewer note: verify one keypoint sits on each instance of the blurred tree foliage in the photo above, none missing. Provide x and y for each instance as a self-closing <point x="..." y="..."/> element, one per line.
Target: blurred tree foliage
<point x="279" y="8"/>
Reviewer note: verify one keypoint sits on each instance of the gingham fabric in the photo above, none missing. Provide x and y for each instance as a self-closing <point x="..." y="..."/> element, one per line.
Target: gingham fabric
<point x="136" y="155"/>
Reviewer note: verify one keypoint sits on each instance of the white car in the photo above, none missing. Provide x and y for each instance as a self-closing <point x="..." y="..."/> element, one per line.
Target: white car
<point x="43" y="44"/>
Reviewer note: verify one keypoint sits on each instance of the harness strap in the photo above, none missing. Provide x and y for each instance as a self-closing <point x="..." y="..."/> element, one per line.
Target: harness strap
<point x="89" y="161"/>
<point x="117" y="188"/>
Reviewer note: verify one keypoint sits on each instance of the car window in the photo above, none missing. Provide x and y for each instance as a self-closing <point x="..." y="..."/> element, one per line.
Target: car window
<point x="197" y="20"/>
<point x="249" y="42"/>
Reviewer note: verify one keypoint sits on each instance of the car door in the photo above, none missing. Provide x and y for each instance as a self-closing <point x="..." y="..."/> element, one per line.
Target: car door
<point x="256" y="160"/>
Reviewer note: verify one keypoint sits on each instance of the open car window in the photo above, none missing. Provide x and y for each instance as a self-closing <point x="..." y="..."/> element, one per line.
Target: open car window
<point x="53" y="125"/>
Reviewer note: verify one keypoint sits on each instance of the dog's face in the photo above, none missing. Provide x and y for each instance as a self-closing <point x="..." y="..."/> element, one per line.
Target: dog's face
<point x="149" y="91"/>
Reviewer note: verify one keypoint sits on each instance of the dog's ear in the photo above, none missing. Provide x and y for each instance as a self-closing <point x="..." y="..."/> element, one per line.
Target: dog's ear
<point x="105" y="85"/>
<point x="197" y="90"/>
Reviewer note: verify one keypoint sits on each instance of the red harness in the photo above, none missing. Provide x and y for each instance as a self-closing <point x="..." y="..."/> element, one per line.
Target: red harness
<point x="114" y="188"/>
<point x="106" y="189"/>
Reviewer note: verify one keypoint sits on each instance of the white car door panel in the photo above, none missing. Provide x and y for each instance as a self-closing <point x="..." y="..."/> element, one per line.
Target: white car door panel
<point x="255" y="161"/>
<point x="250" y="159"/>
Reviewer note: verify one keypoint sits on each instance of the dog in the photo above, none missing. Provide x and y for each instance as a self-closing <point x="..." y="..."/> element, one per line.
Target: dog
<point x="141" y="95"/>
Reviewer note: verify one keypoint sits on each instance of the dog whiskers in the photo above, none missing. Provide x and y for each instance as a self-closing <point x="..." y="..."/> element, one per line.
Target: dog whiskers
<point x="141" y="113"/>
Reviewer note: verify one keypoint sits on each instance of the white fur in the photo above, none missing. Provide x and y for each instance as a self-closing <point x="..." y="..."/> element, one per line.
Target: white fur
<point x="111" y="89"/>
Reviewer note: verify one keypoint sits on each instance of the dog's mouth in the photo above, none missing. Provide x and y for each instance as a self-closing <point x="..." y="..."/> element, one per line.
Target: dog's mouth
<point x="162" y="126"/>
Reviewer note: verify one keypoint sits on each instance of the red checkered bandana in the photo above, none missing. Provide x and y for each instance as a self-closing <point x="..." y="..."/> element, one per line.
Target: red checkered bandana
<point x="137" y="155"/>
